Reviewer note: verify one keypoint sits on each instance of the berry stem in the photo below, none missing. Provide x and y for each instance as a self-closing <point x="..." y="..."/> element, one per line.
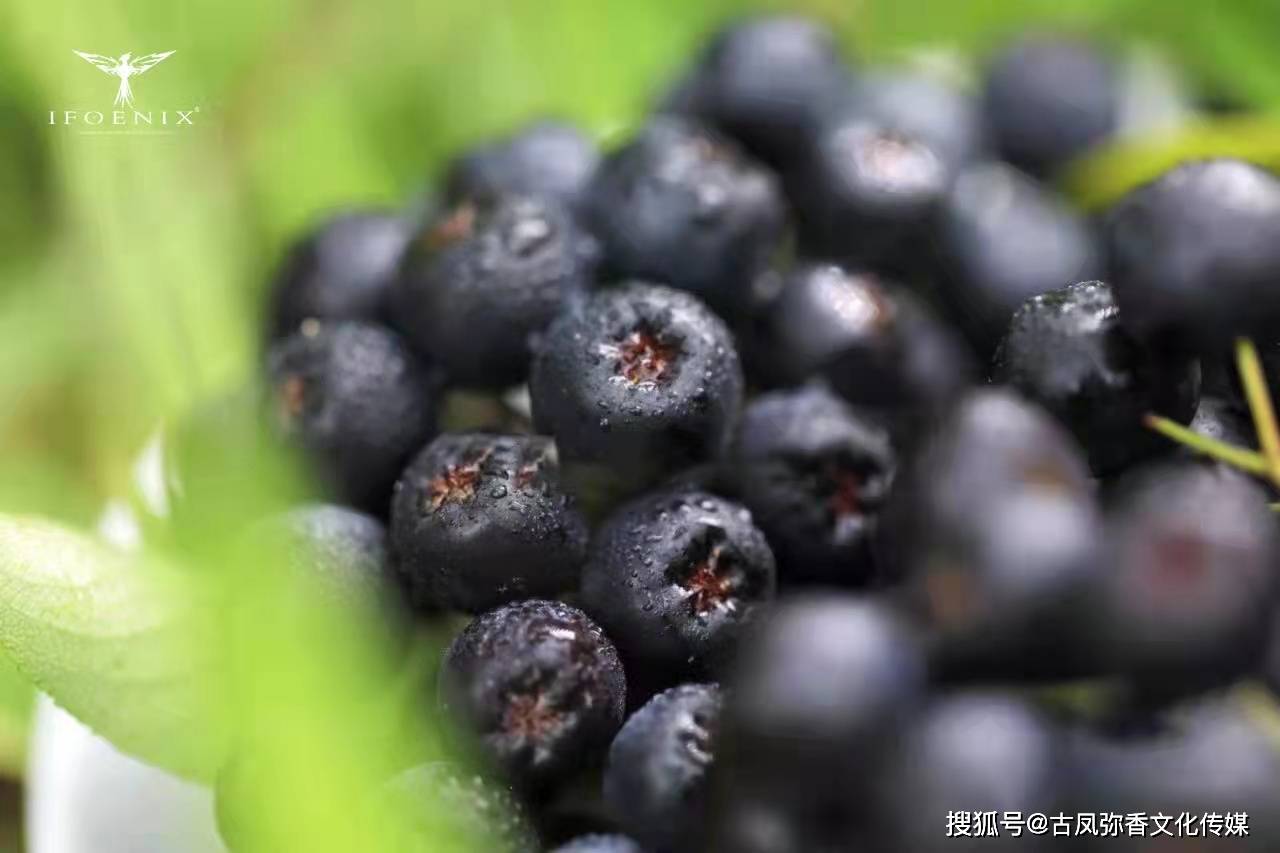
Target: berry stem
<point x="1260" y="406"/>
<point x="1237" y="457"/>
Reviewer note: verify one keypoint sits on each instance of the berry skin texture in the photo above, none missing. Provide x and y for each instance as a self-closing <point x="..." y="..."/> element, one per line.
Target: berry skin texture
<point x="656" y="776"/>
<point x="642" y="379"/>
<point x="814" y="474"/>
<point x="1067" y="351"/>
<point x="681" y="205"/>
<point x="481" y="281"/>
<point x="1196" y="252"/>
<point x="600" y="844"/>
<point x="1048" y="100"/>
<point x="478" y="520"/>
<point x="1191" y="591"/>
<point x="764" y="80"/>
<point x="540" y="684"/>
<point x="867" y="192"/>
<point x="357" y="400"/>
<point x="967" y="752"/>
<point x="546" y="158"/>
<point x="431" y="798"/>
<point x="675" y="578"/>
<point x="343" y="269"/>
<point x="995" y="532"/>
<point x="1001" y="238"/>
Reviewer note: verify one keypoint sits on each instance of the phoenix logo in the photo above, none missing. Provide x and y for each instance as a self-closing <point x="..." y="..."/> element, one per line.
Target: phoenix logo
<point x="126" y="68"/>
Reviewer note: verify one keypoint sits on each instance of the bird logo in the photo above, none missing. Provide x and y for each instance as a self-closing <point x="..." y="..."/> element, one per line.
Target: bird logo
<point x="126" y="68"/>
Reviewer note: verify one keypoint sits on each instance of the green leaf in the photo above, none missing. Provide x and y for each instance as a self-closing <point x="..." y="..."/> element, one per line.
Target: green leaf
<point x="116" y="641"/>
<point x="17" y="699"/>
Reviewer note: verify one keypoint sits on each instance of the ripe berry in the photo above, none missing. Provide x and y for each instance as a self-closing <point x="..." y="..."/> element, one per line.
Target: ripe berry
<point x="642" y="381"/>
<point x="342" y="269"/>
<point x="599" y="844"/>
<point x="357" y="400"/>
<point x="763" y="80"/>
<point x="876" y="344"/>
<point x="1002" y="238"/>
<point x="995" y="531"/>
<point x="1191" y="589"/>
<point x="541" y="685"/>
<point x="656" y="776"/>
<point x="481" y="281"/>
<point x="433" y="797"/>
<point x="675" y="577"/>
<point x="818" y="694"/>
<point x="1195" y="252"/>
<point x="1217" y="756"/>
<point x="814" y="474"/>
<point x="544" y="158"/>
<point x="967" y="753"/>
<point x="1050" y="99"/>
<point x="683" y="206"/>
<point x="478" y="520"/>
<point x="895" y="359"/>
<point x="867" y="191"/>
<point x="1067" y="351"/>
<point x="941" y="116"/>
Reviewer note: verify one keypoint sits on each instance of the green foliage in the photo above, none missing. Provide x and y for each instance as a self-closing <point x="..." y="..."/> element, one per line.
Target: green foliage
<point x="120" y="645"/>
<point x="131" y="274"/>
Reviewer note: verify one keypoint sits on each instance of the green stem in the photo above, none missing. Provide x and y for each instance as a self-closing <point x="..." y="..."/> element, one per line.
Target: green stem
<point x="1259" y="398"/>
<point x="1237" y="457"/>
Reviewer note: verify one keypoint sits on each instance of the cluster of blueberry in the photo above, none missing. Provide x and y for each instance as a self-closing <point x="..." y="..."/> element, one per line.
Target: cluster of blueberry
<point x="758" y="448"/>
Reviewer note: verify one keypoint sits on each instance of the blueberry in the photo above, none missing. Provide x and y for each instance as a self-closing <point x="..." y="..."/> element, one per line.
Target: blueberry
<point x="1066" y="350"/>
<point x="543" y="158"/>
<point x="1001" y="238"/>
<point x="817" y="696"/>
<point x="943" y="117"/>
<point x="867" y="192"/>
<point x="643" y="381"/>
<point x="433" y="798"/>
<point x="478" y="283"/>
<point x="1194" y="253"/>
<point x="1192" y="586"/>
<point x="974" y="752"/>
<point x="675" y="578"/>
<point x="994" y="528"/>
<point x="357" y="400"/>
<point x="814" y="474"/>
<point x="541" y="685"/>
<point x="681" y="205"/>
<point x="478" y="520"/>
<point x="876" y="344"/>
<point x="1049" y="99"/>
<point x="342" y="269"/>
<point x="1216" y="757"/>
<point x="889" y="354"/>
<point x="763" y="80"/>
<point x="656" y="776"/>
<point x="600" y="844"/>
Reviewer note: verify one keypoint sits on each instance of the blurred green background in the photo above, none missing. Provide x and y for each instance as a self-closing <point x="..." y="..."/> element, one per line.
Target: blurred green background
<point x="132" y="267"/>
